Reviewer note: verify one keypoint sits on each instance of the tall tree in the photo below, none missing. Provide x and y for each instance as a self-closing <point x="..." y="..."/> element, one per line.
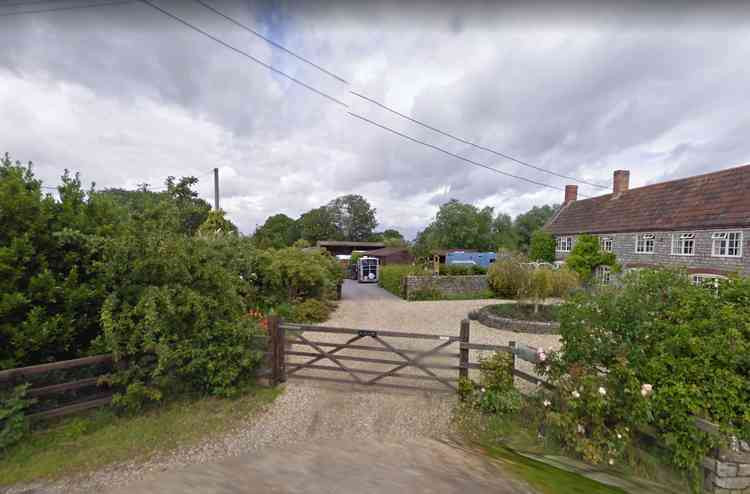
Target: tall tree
<point x="278" y="231"/>
<point x="504" y="236"/>
<point x="532" y="220"/>
<point x="354" y="217"/>
<point x="458" y="225"/>
<point x="319" y="224"/>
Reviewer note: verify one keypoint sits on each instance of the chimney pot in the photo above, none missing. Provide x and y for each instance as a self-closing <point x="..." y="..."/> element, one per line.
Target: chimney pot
<point x="571" y="193"/>
<point x="620" y="181"/>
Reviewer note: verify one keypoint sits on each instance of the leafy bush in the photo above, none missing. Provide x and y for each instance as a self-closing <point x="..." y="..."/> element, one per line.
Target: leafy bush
<point x="495" y="392"/>
<point x="508" y="277"/>
<point x="587" y="255"/>
<point x="664" y="350"/>
<point x="390" y="276"/>
<point x="542" y="248"/>
<point x="526" y="312"/>
<point x="177" y="314"/>
<point x="563" y="283"/>
<point x="461" y="269"/>
<point x="13" y="422"/>
<point x="310" y="311"/>
<point x="425" y="294"/>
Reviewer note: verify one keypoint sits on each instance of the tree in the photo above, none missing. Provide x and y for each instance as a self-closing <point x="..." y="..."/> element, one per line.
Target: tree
<point x="353" y="217"/>
<point x="458" y="225"/>
<point x="390" y="237"/>
<point x="216" y="224"/>
<point x="587" y="255"/>
<point x="529" y="222"/>
<point x="318" y="224"/>
<point x="277" y="232"/>
<point x="542" y="247"/>
<point x="504" y="236"/>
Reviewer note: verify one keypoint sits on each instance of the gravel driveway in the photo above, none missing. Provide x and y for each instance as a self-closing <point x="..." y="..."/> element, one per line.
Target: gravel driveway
<point x="311" y="412"/>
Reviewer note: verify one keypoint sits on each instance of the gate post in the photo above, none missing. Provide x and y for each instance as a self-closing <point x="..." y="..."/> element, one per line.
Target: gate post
<point x="512" y="345"/>
<point x="463" y="353"/>
<point x="277" y="342"/>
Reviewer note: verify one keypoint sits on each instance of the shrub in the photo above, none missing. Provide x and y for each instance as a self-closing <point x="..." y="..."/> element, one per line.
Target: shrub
<point x="542" y="248"/>
<point x="13" y="422"/>
<point x="390" y="276"/>
<point x="310" y="311"/>
<point x="508" y="277"/>
<point x="587" y="255"/>
<point x="495" y="392"/>
<point x="461" y="269"/>
<point x="425" y="294"/>
<point x="177" y="314"/>
<point x="664" y="350"/>
<point x="564" y="282"/>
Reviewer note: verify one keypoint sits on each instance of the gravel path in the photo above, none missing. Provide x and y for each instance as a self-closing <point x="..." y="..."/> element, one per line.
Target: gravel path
<point x="311" y="411"/>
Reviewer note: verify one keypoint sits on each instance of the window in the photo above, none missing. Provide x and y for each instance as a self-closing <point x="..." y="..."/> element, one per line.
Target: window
<point x="708" y="280"/>
<point x="603" y="275"/>
<point x="564" y="244"/>
<point x="683" y="244"/>
<point x="726" y="244"/>
<point x="606" y="243"/>
<point x="644" y="243"/>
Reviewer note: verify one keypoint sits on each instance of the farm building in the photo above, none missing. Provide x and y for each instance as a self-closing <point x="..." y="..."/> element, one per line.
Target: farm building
<point x="344" y="247"/>
<point x="392" y="255"/>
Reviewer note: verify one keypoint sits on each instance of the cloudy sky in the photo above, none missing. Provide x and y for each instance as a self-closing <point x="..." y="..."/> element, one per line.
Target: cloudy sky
<point x="126" y="95"/>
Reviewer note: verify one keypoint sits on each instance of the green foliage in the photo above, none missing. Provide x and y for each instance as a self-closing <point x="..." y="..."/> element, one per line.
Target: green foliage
<point x="13" y="421"/>
<point x="542" y="247"/>
<point x="461" y="269"/>
<point x="508" y="277"/>
<point x="457" y="225"/>
<point x="587" y="255"/>
<point x="526" y="312"/>
<point x="564" y="282"/>
<point x="671" y="350"/>
<point x="216" y="224"/>
<point x="390" y="276"/>
<point x="495" y="393"/>
<point x="424" y="294"/>
<point x="504" y="233"/>
<point x="178" y="309"/>
<point x="527" y="223"/>
<point x="319" y="224"/>
<point x="353" y="216"/>
<point x="310" y="311"/>
<point x="277" y="232"/>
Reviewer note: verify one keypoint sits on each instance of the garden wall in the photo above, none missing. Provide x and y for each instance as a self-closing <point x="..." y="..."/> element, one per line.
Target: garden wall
<point x="446" y="285"/>
<point x="728" y="470"/>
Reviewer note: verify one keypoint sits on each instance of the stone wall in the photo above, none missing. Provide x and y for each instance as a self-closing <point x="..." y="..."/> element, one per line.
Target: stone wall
<point x="445" y="285"/>
<point x="703" y="260"/>
<point x="728" y="470"/>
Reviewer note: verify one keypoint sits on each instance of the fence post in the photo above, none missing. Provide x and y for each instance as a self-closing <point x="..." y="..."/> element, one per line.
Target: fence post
<point x="512" y="345"/>
<point x="277" y="337"/>
<point x="463" y="353"/>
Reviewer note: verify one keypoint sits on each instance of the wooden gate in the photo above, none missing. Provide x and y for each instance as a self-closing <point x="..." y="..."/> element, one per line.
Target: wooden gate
<point x="294" y="349"/>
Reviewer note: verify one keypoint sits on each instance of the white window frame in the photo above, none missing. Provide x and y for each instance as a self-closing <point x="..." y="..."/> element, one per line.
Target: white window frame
<point x="567" y="240"/>
<point x="645" y="237"/>
<point x="603" y="275"/>
<point x="701" y="278"/>
<point x="603" y="244"/>
<point x="680" y="241"/>
<point x="717" y="238"/>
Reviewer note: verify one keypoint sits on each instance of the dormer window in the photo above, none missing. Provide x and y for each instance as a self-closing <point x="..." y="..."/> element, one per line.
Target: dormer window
<point x="644" y="243"/>
<point x="683" y="244"/>
<point x="726" y="244"/>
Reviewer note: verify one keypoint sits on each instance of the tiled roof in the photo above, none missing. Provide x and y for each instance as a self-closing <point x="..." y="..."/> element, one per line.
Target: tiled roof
<point x="714" y="200"/>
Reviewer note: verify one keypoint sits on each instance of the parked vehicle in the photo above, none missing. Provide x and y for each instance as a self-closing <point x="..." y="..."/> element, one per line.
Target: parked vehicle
<point x="367" y="270"/>
<point x="483" y="259"/>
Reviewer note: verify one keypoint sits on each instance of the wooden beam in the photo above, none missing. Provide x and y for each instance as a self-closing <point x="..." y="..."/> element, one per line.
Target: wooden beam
<point x="31" y="370"/>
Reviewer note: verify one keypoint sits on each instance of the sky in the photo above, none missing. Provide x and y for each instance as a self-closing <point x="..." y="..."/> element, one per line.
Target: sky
<point x="125" y="95"/>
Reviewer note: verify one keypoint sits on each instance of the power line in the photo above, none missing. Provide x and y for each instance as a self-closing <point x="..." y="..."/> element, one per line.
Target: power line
<point x="270" y="41"/>
<point x="245" y="54"/>
<point x="478" y="146"/>
<point x="69" y="7"/>
<point x="449" y="153"/>
<point x="395" y="112"/>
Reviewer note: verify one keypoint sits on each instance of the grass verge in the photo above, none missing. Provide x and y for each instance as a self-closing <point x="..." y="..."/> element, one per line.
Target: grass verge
<point x="85" y="443"/>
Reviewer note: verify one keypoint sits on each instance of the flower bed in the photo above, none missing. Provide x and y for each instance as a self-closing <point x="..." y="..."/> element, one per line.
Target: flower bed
<point x="520" y="318"/>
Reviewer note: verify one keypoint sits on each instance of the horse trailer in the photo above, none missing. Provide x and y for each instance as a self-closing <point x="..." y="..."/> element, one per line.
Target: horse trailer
<point x="367" y="269"/>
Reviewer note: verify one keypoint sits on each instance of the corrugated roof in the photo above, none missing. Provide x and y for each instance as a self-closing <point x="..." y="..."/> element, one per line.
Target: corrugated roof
<point x="345" y="243"/>
<point x="714" y="200"/>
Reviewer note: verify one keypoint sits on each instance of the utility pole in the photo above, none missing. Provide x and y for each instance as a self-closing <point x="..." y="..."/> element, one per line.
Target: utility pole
<point x="216" y="189"/>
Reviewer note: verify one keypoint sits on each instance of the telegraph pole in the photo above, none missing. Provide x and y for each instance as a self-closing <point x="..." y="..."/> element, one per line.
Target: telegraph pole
<point x="216" y="189"/>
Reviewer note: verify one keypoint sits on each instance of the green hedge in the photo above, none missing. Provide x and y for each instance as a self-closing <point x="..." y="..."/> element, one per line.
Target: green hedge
<point x="391" y="275"/>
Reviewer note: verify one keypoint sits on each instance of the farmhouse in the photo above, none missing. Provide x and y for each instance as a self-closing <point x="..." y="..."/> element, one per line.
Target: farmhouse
<point x="700" y="223"/>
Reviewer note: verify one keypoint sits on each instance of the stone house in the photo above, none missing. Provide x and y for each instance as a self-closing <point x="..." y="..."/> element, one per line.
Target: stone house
<point x="700" y="223"/>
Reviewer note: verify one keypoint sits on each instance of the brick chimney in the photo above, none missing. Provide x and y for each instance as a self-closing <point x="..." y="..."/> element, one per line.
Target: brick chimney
<point x="571" y="193"/>
<point x="620" y="181"/>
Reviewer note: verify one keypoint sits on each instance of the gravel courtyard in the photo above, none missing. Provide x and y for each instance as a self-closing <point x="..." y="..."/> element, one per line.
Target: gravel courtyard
<point x="311" y="412"/>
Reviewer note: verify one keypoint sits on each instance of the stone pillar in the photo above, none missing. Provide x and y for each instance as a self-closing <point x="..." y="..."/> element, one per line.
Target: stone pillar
<point x="727" y="471"/>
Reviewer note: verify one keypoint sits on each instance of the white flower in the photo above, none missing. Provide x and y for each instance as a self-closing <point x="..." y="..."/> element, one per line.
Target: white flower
<point x="611" y="461"/>
<point x="576" y="394"/>
<point x="646" y="390"/>
<point x="619" y="436"/>
<point x="547" y="403"/>
<point x="602" y="391"/>
<point x="482" y="390"/>
<point x="581" y="429"/>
